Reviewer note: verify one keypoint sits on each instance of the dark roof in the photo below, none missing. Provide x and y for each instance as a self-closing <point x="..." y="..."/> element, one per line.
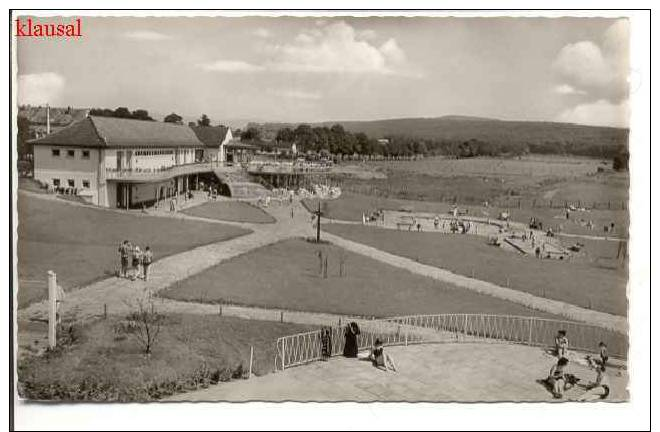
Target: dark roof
<point x="211" y="136"/>
<point x="111" y="132"/>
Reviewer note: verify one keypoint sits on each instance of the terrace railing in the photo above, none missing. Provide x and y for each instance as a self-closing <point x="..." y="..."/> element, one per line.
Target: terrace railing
<point x="303" y="348"/>
<point x="167" y="172"/>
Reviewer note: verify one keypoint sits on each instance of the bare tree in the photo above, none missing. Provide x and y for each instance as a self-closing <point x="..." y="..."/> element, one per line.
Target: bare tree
<point x="146" y="323"/>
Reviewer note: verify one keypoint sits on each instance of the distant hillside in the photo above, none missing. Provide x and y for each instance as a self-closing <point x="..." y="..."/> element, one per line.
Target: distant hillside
<point x="500" y="132"/>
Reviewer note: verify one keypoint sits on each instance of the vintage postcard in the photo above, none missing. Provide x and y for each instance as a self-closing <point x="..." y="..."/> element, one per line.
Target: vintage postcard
<point x="321" y="208"/>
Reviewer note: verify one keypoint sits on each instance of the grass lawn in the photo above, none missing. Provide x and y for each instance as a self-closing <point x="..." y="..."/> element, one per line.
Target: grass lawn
<point x="286" y="275"/>
<point x="233" y="211"/>
<point x="80" y="243"/>
<point x="580" y="283"/>
<point x="192" y="351"/>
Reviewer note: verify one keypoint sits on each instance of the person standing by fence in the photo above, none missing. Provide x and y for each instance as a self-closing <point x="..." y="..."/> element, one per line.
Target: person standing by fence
<point x="350" y="344"/>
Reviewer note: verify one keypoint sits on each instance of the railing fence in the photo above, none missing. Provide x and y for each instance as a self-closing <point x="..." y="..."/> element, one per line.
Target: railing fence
<point x="306" y="347"/>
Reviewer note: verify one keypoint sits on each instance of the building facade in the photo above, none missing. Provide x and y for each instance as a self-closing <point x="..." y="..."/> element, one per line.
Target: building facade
<point x="124" y="163"/>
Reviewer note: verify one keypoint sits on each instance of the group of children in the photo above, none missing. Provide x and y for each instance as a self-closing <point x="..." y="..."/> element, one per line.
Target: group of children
<point x="560" y="380"/>
<point x="135" y="263"/>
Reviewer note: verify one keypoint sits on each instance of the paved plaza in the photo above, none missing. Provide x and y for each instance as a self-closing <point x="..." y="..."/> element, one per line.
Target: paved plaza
<point x="443" y="372"/>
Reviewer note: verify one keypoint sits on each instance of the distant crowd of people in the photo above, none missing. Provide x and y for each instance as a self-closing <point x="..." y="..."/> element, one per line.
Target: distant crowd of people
<point x="135" y="263"/>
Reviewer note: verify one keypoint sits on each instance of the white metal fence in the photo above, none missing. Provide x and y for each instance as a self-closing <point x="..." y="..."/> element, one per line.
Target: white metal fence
<point x="306" y="347"/>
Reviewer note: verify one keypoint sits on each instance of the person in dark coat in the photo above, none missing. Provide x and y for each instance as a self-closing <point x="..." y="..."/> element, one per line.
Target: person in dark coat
<point x="350" y="345"/>
<point x="326" y="344"/>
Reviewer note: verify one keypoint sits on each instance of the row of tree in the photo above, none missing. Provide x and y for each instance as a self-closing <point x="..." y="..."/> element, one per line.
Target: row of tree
<point x="121" y="112"/>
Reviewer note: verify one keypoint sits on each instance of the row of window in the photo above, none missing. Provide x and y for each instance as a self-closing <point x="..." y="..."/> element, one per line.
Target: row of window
<point x="71" y="153"/>
<point x="153" y="152"/>
<point x="70" y="183"/>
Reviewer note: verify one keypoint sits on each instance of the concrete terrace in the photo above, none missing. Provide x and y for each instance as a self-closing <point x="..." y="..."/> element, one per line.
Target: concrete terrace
<point x="444" y="372"/>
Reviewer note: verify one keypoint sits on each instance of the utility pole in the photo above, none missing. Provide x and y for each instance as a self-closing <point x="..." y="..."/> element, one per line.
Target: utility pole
<point x="318" y="223"/>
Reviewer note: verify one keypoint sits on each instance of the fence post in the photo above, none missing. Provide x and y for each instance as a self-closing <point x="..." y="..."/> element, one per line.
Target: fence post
<point x="531" y="323"/>
<point x="52" y="309"/>
<point x="281" y="316"/>
<point x="105" y="311"/>
<point x="251" y="355"/>
<point x="283" y="351"/>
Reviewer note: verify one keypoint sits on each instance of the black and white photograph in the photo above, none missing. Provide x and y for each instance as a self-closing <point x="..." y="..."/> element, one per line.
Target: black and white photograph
<point x="322" y="207"/>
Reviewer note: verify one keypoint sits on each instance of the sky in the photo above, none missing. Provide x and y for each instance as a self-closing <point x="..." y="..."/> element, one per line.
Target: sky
<point x="298" y="69"/>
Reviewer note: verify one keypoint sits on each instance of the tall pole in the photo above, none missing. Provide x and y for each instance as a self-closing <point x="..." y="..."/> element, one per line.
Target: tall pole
<point x="318" y="224"/>
<point x="52" y="309"/>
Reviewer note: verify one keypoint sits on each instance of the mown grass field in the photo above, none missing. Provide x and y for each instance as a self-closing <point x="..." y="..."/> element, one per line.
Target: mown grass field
<point x="535" y="179"/>
<point x="585" y="284"/>
<point x="233" y="211"/>
<point x="526" y="166"/>
<point x="286" y="275"/>
<point x="80" y="243"/>
<point x="191" y="352"/>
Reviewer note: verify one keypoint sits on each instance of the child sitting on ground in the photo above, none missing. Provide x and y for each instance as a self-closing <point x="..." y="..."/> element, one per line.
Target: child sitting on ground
<point x="600" y="389"/>
<point x="380" y="359"/>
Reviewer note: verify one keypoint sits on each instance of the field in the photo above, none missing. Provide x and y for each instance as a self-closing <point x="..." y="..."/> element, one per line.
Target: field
<point x="581" y="283"/>
<point x="526" y="166"/>
<point x="546" y="181"/>
<point x="192" y="351"/>
<point x="80" y="243"/>
<point x="286" y="275"/>
<point x="233" y="211"/>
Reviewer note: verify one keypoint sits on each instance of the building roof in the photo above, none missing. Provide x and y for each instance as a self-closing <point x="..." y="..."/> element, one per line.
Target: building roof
<point x="211" y="136"/>
<point x="111" y="132"/>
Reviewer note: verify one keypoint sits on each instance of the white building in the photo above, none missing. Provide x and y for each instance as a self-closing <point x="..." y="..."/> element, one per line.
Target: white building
<point x="124" y="163"/>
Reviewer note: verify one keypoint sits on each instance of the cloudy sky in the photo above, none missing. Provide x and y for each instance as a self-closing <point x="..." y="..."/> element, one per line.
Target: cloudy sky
<point x="339" y="68"/>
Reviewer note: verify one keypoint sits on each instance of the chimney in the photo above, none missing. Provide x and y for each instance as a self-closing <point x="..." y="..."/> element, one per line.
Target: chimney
<point x="47" y="119"/>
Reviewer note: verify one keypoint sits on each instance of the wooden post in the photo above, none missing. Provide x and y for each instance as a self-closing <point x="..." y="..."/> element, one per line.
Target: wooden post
<point x="531" y="322"/>
<point x="325" y="267"/>
<point x="318" y="223"/>
<point x="105" y="311"/>
<point x="52" y="309"/>
<point x="251" y="355"/>
<point x="220" y="309"/>
<point x="281" y="316"/>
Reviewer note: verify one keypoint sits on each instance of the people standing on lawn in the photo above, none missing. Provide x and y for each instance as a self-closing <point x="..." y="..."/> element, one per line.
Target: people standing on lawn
<point x="136" y="263"/>
<point x="436" y="222"/>
<point x="147" y="259"/>
<point x="124" y="255"/>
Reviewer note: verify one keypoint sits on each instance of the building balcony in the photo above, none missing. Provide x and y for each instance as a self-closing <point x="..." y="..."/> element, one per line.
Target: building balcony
<point x="161" y="174"/>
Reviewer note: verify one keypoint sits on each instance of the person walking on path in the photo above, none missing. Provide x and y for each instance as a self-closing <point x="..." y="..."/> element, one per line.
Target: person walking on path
<point x="124" y="252"/>
<point x="147" y="258"/>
